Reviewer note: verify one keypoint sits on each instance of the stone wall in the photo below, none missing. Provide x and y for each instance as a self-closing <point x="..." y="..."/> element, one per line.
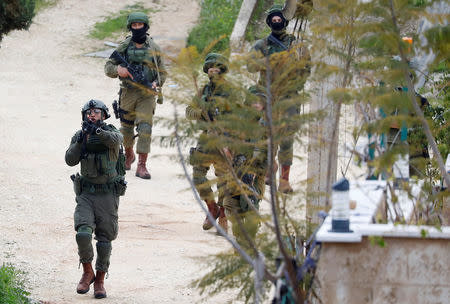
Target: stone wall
<point x="406" y="270"/>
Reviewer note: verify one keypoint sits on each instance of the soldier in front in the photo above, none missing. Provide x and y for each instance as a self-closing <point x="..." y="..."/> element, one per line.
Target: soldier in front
<point x="96" y="147"/>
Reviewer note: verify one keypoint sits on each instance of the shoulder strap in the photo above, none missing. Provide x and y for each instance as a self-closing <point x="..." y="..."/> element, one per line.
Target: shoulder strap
<point x="274" y="40"/>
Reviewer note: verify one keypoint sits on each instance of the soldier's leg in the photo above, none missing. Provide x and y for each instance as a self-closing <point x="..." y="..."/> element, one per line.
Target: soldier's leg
<point x="145" y="109"/>
<point x="285" y="156"/>
<point x="220" y="172"/>
<point x="106" y="213"/>
<point x="84" y="224"/>
<point x="106" y="216"/>
<point x="127" y="117"/>
<point x="205" y="192"/>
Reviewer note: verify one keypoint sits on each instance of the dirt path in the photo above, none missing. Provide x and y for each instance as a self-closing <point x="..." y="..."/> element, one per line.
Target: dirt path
<point x="44" y="80"/>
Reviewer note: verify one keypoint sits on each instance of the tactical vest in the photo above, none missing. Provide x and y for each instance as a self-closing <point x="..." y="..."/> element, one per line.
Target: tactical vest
<point x="210" y="96"/>
<point x="272" y="48"/>
<point x="98" y="162"/>
<point x="142" y="56"/>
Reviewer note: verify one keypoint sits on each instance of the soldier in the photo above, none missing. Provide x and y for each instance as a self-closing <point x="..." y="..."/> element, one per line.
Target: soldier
<point x="250" y="165"/>
<point x="278" y="41"/>
<point x="97" y="148"/>
<point x="137" y="100"/>
<point x="206" y="110"/>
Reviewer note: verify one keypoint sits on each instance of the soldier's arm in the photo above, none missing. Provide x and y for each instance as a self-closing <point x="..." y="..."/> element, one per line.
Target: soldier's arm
<point x="111" y="68"/>
<point x="73" y="153"/>
<point x="110" y="138"/>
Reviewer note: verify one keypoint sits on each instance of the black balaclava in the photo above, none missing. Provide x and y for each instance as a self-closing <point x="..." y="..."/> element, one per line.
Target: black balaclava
<point x="140" y="35"/>
<point x="279" y="27"/>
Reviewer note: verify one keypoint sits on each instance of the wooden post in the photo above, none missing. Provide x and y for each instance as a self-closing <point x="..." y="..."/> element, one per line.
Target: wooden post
<point x="237" y="36"/>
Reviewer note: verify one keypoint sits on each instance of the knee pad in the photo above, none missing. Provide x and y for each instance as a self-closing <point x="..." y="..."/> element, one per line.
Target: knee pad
<point x="84" y="236"/>
<point x="144" y="129"/>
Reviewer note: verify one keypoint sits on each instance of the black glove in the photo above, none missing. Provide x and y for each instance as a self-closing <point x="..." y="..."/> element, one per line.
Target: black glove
<point x="80" y="137"/>
<point x="88" y="127"/>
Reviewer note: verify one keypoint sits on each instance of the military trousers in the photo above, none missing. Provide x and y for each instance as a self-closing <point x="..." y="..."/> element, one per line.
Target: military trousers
<point x="98" y="211"/>
<point x="201" y="162"/>
<point x="137" y="109"/>
<point x="286" y="137"/>
<point x="237" y="209"/>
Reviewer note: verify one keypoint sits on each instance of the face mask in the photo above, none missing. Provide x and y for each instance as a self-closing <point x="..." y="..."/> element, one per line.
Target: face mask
<point x="277" y="27"/>
<point x="140" y="35"/>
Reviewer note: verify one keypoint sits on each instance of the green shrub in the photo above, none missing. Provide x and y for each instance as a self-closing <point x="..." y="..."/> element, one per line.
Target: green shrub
<point x="15" y="15"/>
<point x="116" y="24"/>
<point x="12" y="286"/>
<point x="217" y="18"/>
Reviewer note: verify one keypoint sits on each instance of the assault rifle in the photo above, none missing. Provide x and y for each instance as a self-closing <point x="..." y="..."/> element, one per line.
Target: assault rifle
<point x="138" y="73"/>
<point x="136" y="70"/>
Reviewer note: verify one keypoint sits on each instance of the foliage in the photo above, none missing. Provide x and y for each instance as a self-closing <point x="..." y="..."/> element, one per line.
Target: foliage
<point x="12" y="286"/>
<point x="242" y="128"/>
<point x="217" y="18"/>
<point x="116" y="24"/>
<point x="43" y="4"/>
<point x="15" y="15"/>
<point x="368" y="55"/>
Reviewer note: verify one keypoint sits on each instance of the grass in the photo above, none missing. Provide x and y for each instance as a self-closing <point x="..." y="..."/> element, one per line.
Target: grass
<point x="117" y="23"/>
<point x="217" y="18"/>
<point x="12" y="286"/>
<point x="43" y="4"/>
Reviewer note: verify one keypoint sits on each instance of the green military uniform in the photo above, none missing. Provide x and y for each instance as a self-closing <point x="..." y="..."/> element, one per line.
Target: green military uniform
<point x="210" y="107"/>
<point x="97" y="189"/>
<point x="137" y="103"/>
<point x="250" y="164"/>
<point x="278" y="41"/>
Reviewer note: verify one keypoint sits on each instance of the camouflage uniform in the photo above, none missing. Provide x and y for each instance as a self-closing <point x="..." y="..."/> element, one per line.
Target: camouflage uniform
<point x="97" y="191"/>
<point x="276" y="42"/>
<point x="250" y="164"/>
<point x="207" y="109"/>
<point x="137" y="103"/>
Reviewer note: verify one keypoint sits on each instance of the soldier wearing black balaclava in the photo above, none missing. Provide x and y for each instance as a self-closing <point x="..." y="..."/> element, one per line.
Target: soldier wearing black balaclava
<point x="136" y="101"/>
<point x="278" y="41"/>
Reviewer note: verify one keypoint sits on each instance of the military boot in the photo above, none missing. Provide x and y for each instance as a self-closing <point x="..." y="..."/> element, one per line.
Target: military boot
<point x="284" y="186"/>
<point x="141" y="170"/>
<point x="275" y="169"/>
<point x="87" y="278"/>
<point x="130" y="157"/>
<point x="214" y="211"/>
<point x="223" y="222"/>
<point x="99" y="288"/>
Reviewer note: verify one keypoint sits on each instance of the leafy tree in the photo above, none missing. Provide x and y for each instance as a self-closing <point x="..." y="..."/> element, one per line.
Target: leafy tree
<point x="15" y="15"/>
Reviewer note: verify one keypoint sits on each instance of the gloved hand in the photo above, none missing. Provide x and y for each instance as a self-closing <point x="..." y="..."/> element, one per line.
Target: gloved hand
<point x="80" y="137"/>
<point x="88" y="127"/>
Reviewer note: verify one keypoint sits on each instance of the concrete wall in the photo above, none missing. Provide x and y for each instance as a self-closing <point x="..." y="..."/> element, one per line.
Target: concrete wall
<point x="406" y="270"/>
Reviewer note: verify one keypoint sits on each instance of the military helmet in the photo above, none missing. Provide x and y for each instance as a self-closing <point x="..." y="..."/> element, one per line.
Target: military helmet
<point x="275" y="9"/>
<point x="95" y="104"/>
<point x="137" y="17"/>
<point x="215" y="60"/>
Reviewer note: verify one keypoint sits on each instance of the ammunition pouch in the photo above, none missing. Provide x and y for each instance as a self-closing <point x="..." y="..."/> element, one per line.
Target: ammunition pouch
<point x="120" y="186"/>
<point x="76" y="179"/>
